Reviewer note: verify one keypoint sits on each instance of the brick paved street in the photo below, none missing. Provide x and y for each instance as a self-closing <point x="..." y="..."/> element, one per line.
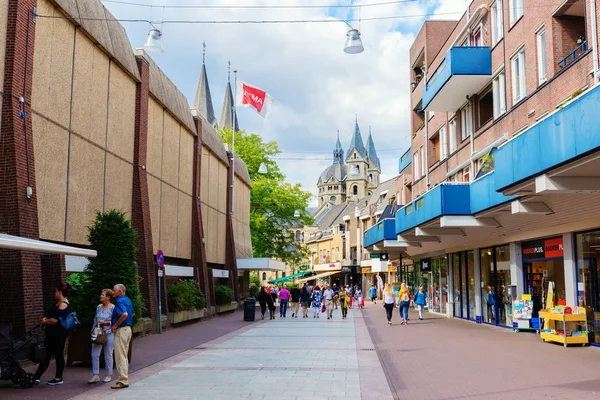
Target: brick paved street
<point x="282" y="359"/>
<point x="443" y="359"/>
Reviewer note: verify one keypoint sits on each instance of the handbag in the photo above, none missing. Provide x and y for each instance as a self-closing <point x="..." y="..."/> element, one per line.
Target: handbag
<point x="98" y="335"/>
<point x="323" y="308"/>
<point x="69" y="322"/>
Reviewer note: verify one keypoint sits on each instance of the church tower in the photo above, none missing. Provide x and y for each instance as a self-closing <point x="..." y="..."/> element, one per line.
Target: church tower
<point x="374" y="168"/>
<point x="358" y="165"/>
<point x="331" y="182"/>
<point x="203" y="101"/>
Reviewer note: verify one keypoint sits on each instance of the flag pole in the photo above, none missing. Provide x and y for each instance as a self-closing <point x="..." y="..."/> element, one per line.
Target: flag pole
<point x="233" y="140"/>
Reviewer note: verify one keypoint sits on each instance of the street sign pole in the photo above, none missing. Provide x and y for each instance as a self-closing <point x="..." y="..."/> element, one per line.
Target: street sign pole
<point x="160" y="261"/>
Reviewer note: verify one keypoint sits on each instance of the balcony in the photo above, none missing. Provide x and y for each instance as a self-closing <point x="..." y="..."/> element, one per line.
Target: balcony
<point x="404" y="161"/>
<point x="572" y="56"/>
<point x="384" y="230"/>
<point x="445" y="199"/>
<point x="569" y="133"/>
<point x="483" y="193"/>
<point x="464" y="71"/>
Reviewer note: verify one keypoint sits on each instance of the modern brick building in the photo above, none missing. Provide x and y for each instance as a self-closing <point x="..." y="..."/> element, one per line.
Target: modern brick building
<point x="88" y="124"/>
<point x="502" y="195"/>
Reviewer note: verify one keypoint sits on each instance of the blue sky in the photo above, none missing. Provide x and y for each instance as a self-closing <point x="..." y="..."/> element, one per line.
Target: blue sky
<point x="318" y="89"/>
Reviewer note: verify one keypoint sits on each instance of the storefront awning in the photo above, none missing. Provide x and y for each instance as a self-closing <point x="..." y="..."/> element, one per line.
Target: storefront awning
<point x="290" y="277"/>
<point x="319" y="276"/>
<point x="39" y="246"/>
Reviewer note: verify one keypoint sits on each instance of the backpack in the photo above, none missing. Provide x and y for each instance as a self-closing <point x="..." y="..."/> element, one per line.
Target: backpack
<point x="405" y="297"/>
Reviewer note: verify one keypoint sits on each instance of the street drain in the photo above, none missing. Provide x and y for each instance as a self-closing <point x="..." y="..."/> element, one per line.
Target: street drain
<point x="367" y="349"/>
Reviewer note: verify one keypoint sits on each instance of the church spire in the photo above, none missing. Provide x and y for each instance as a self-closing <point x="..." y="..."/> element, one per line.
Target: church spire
<point x="357" y="142"/>
<point x="203" y="100"/>
<point x="371" y="152"/>
<point x="338" y="152"/>
<point x="228" y="104"/>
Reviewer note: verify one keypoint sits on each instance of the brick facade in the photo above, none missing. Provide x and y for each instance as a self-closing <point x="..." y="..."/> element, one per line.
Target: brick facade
<point x="22" y="300"/>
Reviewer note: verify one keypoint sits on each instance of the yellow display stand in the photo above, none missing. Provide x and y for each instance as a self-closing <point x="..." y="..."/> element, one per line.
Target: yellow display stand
<point x="550" y="320"/>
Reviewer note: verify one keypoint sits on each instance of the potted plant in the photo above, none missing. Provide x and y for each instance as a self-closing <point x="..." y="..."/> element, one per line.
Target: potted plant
<point x="223" y="298"/>
<point x="186" y="301"/>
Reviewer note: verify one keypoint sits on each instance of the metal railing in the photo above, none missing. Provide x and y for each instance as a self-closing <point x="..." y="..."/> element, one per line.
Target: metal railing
<point x="572" y="56"/>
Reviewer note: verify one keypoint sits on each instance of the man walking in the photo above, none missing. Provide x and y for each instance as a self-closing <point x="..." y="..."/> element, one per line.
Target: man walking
<point x="295" y="297"/>
<point x="328" y="295"/>
<point x="284" y="296"/>
<point x="373" y="294"/>
<point x="122" y="320"/>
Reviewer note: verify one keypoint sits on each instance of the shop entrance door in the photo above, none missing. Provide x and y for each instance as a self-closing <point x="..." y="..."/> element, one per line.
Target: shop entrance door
<point x="464" y="285"/>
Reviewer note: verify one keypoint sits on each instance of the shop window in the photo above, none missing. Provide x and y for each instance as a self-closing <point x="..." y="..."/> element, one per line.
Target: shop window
<point x="486" y="106"/>
<point x="496" y="286"/>
<point x="588" y="278"/>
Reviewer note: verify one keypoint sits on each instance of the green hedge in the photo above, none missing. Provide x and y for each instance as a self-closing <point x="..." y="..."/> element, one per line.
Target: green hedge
<point x="185" y="296"/>
<point x="254" y="290"/>
<point x="223" y="295"/>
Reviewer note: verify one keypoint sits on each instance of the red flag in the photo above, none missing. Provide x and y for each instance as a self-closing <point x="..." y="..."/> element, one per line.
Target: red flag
<point x="250" y="96"/>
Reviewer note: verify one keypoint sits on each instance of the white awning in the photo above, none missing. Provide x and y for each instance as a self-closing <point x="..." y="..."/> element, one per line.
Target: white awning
<point x="20" y="243"/>
<point x="259" y="264"/>
<point x="323" y="275"/>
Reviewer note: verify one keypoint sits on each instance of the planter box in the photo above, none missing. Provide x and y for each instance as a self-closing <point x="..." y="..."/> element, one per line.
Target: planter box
<point x="227" y="307"/>
<point x="181" y="316"/>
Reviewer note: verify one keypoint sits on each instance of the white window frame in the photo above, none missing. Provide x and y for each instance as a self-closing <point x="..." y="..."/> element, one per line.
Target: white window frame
<point x="516" y="10"/>
<point x="443" y="143"/>
<point x="423" y="163"/>
<point x="542" y="59"/>
<point x="416" y="168"/>
<point x="452" y="135"/>
<point x="430" y="115"/>
<point x="499" y="93"/>
<point x="518" y="75"/>
<point x="466" y="172"/>
<point x="478" y="30"/>
<point x="497" y="22"/>
<point x="466" y="121"/>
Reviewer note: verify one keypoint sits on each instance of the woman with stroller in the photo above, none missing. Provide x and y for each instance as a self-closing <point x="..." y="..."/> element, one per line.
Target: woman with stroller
<point x="103" y="317"/>
<point x="56" y="335"/>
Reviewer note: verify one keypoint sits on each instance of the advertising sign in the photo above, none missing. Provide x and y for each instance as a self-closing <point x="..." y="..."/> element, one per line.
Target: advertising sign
<point x="543" y="248"/>
<point x="522" y="309"/>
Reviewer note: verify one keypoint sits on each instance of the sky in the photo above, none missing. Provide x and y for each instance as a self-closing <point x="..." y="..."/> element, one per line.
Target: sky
<point x="318" y="89"/>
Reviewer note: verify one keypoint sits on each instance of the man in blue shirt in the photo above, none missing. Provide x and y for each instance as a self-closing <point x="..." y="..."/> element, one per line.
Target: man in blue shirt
<point x="122" y="320"/>
<point x="373" y="294"/>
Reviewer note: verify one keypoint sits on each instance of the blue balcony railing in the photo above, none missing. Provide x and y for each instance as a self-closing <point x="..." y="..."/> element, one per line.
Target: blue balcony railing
<point x="384" y="230"/>
<point x="445" y="199"/>
<point x="464" y="71"/>
<point x="563" y="136"/>
<point x="404" y="161"/>
<point x="483" y="194"/>
<point x="574" y="55"/>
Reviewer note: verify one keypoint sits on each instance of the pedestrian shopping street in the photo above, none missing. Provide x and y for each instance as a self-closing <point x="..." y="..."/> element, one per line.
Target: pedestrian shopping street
<point x="288" y="358"/>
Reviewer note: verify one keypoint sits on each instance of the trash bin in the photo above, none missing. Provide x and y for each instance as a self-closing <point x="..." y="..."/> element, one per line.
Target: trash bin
<point x="249" y="309"/>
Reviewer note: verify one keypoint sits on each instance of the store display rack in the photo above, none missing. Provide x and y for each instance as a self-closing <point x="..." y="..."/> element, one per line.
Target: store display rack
<point x="565" y="337"/>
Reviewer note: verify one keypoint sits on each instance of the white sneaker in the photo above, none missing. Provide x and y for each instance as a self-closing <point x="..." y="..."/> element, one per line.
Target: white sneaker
<point x="94" y="379"/>
<point x="107" y="379"/>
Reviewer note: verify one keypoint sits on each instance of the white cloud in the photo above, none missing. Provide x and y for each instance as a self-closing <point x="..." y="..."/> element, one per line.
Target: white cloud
<point x="318" y="88"/>
<point x="450" y="9"/>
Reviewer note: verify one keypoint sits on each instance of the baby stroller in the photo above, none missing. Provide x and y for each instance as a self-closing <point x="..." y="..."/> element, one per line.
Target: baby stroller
<point x="28" y="348"/>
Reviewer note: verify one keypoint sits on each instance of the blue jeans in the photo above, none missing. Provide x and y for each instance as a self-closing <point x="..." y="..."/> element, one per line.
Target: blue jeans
<point x="108" y="355"/>
<point x="283" y="307"/>
<point x="404" y="309"/>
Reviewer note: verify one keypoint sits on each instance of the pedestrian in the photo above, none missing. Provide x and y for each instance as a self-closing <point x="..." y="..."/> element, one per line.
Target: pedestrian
<point x="304" y="301"/>
<point x="274" y="293"/>
<point x="491" y="302"/>
<point x="388" y="302"/>
<point x="103" y="319"/>
<point x="420" y="301"/>
<point x="404" y="303"/>
<point x="316" y="297"/>
<point x="328" y="294"/>
<point x="56" y="335"/>
<point x="359" y="298"/>
<point x="350" y="291"/>
<point x="262" y="298"/>
<point x="336" y="292"/>
<point x="122" y="320"/>
<point x="343" y="295"/>
<point x="295" y="300"/>
<point x="284" y="297"/>
<point x="373" y="294"/>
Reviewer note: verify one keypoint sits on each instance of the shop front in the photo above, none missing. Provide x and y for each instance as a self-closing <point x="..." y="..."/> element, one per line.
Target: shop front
<point x="543" y="262"/>
<point x="496" y="286"/>
<point x="588" y="279"/>
<point x="463" y="266"/>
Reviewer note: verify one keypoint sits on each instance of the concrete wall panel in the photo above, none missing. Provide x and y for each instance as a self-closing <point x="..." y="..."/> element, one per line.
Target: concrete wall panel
<point x="168" y="221"/>
<point x="155" y="137"/>
<point x="86" y="186"/>
<point x="222" y="199"/>
<point x="186" y="162"/>
<point x="119" y="184"/>
<point x="121" y="118"/>
<point x="184" y="227"/>
<point x="154" y="195"/>
<point x="90" y="90"/>
<point x="170" y="167"/>
<point x="50" y="142"/>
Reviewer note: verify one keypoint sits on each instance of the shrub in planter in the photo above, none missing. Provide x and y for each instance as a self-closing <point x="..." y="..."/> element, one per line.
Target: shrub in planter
<point x="223" y="295"/>
<point x="185" y="296"/>
<point x="253" y="290"/>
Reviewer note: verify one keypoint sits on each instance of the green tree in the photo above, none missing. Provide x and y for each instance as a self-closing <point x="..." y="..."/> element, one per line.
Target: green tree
<point x="112" y="236"/>
<point x="276" y="206"/>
